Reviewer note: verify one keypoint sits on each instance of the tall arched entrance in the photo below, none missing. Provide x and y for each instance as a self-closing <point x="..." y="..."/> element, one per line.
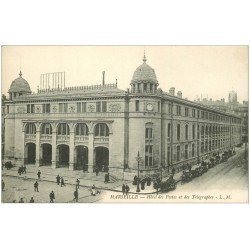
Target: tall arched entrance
<point x="63" y="155"/>
<point x="81" y="157"/>
<point x="101" y="156"/>
<point x="30" y="154"/>
<point x="46" y="156"/>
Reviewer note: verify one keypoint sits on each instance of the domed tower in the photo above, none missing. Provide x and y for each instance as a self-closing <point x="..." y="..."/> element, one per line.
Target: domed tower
<point x="232" y="97"/>
<point x="144" y="79"/>
<point x="19" y="87"/>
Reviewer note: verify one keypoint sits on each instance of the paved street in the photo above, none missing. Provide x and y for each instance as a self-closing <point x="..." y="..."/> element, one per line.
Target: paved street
<point x="230" y="177"/>
<point x="16" y="188"/>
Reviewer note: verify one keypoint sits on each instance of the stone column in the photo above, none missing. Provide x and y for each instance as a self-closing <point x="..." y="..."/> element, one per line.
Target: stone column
<point x="22" y="160"/>
<point x="71" y="150"/>
<point x="53" y="160"/>
<point x="38" y="132"/>
<point x="91" y="151"/>
<point x="111" y="159"/>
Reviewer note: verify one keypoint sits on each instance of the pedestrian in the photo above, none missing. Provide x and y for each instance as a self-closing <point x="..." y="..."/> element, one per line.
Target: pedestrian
<point x="21" y="200"/>
<point x="97" y="171"/>
<point x="127" y="189"/>
<point x="77" y="183"/>
<point x="173" y="171"/>
<point x="58" y="179"/>
<point x="32" y="200"/>
<point x="62" y="182"/>
<point x="39" y="174"/>
<point x="36" y="186"/>
<point x="106" y="178"/>
<point x="3" y="185"/>
<point x="123" y="189"/>
<point x="93" y="191"/>
<point x="52" y="196"/>
<point x="24" y="169"/>
<point x="76" y="195"/>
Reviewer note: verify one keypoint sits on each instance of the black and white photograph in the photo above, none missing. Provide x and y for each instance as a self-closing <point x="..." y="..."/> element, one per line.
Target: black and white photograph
<point x="86" y="124"/>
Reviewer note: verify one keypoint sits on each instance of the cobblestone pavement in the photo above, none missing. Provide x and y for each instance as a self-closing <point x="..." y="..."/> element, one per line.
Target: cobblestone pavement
<point x="16" y="188"/>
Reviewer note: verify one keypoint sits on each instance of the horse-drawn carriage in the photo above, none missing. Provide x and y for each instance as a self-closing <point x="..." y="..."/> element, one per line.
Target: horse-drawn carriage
<point x="224" y="157"/>
<point x="168" y="185"/>
<point x="186" y="176"/>
<point x="204" y="166"/>
<point x="196" y="171"/>
<point x="211" y="162"/>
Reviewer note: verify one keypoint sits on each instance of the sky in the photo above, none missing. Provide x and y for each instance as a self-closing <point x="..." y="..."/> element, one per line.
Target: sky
<point x="207" y="71"/>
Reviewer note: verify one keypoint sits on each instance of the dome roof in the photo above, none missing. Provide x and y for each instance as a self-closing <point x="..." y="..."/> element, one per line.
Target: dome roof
<point x="144" y="73"/>
<point x="20" y="85"/>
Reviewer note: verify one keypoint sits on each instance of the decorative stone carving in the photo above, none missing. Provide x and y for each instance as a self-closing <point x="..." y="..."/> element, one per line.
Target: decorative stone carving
<point x="54" y="109"/>
<point x="21" y="110"/>
<point x="38" y="109"/>
<point x="91" y="107"/>
<point x="115" y="107"/>
<point x="72" y="108"/>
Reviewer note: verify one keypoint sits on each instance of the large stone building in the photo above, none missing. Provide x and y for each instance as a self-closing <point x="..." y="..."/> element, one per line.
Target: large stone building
<point x="231" y="106"/>
<point x="103" y="125"/>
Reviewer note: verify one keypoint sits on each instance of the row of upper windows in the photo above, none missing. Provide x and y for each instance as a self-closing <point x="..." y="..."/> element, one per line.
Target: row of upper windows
<point x="101" y="129"/>
<point x="201" y="114"/>
<point x="208" y="131"/>
<point x="63" y="107"/>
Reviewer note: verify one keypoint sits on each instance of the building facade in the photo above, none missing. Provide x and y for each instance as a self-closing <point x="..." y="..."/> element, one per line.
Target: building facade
<point x="101" y="124"/>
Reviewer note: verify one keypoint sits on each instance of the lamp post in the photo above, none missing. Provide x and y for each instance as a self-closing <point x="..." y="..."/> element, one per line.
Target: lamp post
<point x="138" y="159"/>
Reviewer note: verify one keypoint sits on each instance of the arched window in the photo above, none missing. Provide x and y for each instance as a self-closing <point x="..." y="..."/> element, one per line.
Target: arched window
<point x="82" y="129"/>
<point x="46" y="129"/>
<point x="63" y="129"/>
<point x="30" y="128"/>
<point x="101" y="129"/>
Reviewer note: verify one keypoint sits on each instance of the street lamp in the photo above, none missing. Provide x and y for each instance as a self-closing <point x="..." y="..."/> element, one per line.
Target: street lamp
<point x="138" y="159"/>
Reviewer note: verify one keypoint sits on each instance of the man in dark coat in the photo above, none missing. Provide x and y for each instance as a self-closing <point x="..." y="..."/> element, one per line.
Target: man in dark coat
<point x="123" y="189"/>
<point x="58" y="179"/>
<point x="52" y="197"/>
<point x="76" y="195"/>
<point x="32" y="200"/>
<point x="173" y="171"/>
<point x="106" y="178"/>
<point x="36" y="186"/>
<point x="62" y="182"/>
<point x="127" y="189"/>
<point x="39" y="174"/>
<point x="3" y="185"/>
<point x="96" y="171"/>
<point x="77" y="183"/>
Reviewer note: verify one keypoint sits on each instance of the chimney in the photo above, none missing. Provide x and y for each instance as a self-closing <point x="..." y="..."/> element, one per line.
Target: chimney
<point x="179" y="94"/>
<point x="103" y="77"/>
<point x="171" y="91"/>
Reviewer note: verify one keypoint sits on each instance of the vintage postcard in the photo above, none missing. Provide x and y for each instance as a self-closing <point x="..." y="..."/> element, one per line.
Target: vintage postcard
<point x="124" y="124"/>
